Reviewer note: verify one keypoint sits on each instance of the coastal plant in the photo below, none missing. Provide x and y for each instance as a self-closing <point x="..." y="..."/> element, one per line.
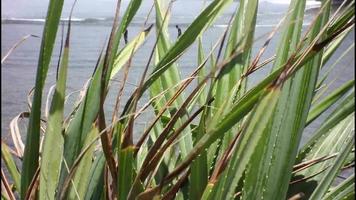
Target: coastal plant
<point x="220" y="139"/>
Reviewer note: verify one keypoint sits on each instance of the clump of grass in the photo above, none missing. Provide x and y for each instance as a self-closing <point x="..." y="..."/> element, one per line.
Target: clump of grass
<point x="221" y="140"/>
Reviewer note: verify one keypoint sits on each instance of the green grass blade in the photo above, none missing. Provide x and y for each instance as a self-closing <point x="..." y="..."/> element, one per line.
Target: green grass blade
<point x="291" y="33"/>
<point x="130" y="12"/>
<point x="347" y="15"/>
<point x="344" y="109"/>
<point x="31" y="153"/>
<point x="330" y="175"/>
<point x="53" y="140"/>
<point x="124" y="55"/>
<point x="344" y="190"/>
<point x="81" y="123"/>
<point x="328" y="101"/>
<point x="275" y="161"/>
<point x="242" y="33"/>
<point x="11" y="166"/>
<point x="240" y="109"/>
<point x="171" y="77"/>
<point x="333" y="47"/>
<point x="241" y="36"/>
<point x="126" y="172"/>
<point x="330" y="144"/>
<point x="203" y="93"/>
<point x="96" y="179"/>
<point x="198" y="26"/>
<point x="198" y="177"/>
<point x="258" y="168"/>
<point x="81" y="178"/>
<point x="245" y="147"/>
<point x="330" y="69"/>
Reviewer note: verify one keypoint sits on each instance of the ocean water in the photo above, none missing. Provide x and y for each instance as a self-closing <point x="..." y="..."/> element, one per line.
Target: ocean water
<point x="89" y="34"/>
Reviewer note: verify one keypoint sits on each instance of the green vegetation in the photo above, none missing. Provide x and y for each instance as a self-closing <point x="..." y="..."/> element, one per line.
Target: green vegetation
<point x="221" y="140"/>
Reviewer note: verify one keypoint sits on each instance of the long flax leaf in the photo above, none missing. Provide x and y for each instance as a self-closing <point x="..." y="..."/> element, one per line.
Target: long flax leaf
<point x="11" y="166"/>
<point x="53" y="140"/>
<point x="328" y="178"/>
<point x="245" y="104"/>
<point x="343" y="191"/>
<point x="329" y="144"/>
<point x="278" y="148"/>
<point x="345" y="108"/>
<point x="200" y="24"/>
<point x="31" y="153"/>
<point x="329" y="100"/>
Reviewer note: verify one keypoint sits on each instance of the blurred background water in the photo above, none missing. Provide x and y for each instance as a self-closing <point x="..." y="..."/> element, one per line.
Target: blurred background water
<point x="91" y="27"/>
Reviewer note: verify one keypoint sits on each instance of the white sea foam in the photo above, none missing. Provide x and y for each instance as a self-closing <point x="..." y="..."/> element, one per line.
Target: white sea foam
<point x="258" y="25"/>
<point x="74" y="19"/>
<point x="24" y="19"/>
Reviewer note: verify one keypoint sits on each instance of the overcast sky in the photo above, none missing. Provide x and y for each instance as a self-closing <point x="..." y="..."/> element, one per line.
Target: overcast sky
<point x="96" y="8"/>
<point x="84" y="8"/>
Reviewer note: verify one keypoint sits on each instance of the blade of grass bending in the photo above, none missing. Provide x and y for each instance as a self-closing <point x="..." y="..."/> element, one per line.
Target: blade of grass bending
<point x="242" y="34"/>
<point x="329" y="144"/>
<point x="274" y="157"/>
<point x="82" y="175"/>
<point x="106" y="140"/>
<point x="343" y="190"/>
<point x="32" y="190"/>
<point x="126" y="175"/>
<point x="201" y="74"/>
<point x="16" y="45"/>
<point x="117" y="32"/>
<point x="82" y="120"/>
<point x="333" y="47"/>
<point x="80" y="125"/>
<point x="332" y="172"/>
<point x="171" y="76"/>
<point x="239" y="110"/>
<point x="171" y="194"/>
<point x="11" y="166"/>
<point x="6" y="188"/>
<point x="31" y="153"/>
<point x="256" y="127"/>
<point x="154" y="154"/>
<point x="16" y="135"/>
<point x="328" y="101"/>
<point x="345" y="108"/>
<point x="53" y="140"/>
<point x="341" y="57"/>
<point x="203" y="21"/>
<point x="96" y="178"/>
<point x="124" y="55"/>
<point x="182" y="87"/>
<point x="201" y="165"/>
